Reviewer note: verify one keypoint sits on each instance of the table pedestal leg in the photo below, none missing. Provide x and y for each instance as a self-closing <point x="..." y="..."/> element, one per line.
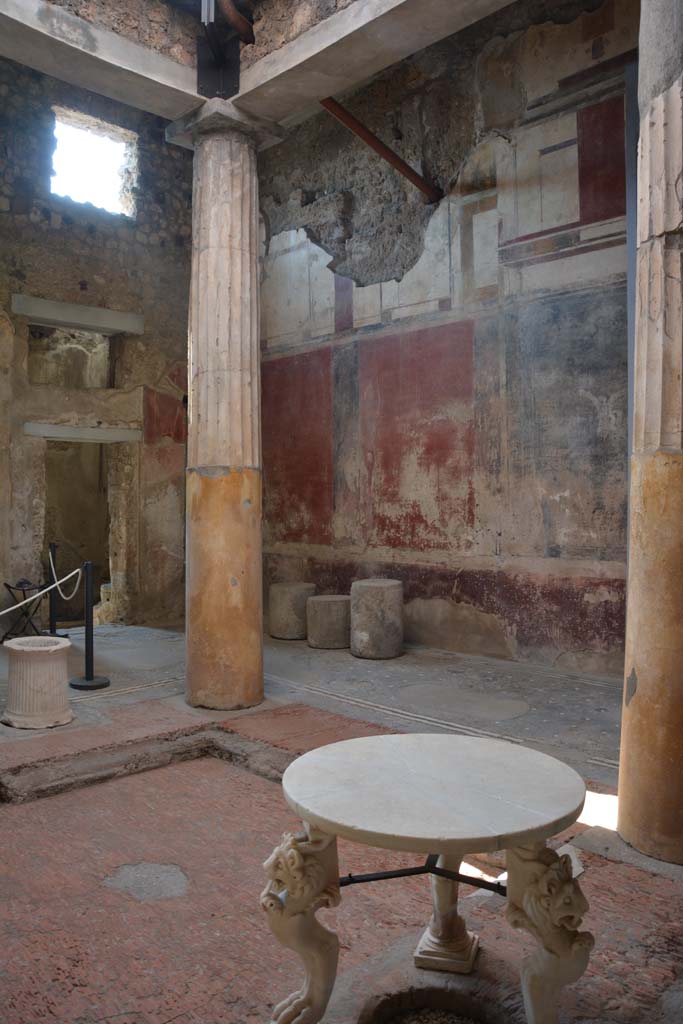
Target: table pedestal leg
<point x="446" y="944"/>
<point x="546" y="901"/>
<point x="303" y="876"/>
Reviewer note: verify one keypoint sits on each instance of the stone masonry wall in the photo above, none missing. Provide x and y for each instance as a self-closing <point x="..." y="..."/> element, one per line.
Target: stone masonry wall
<point x="172" y="28"/>
<point x="277" y="22"/>
<point x="445" y="387"/>
<point x="153" y="23"/>
<point x="53" y="248"/>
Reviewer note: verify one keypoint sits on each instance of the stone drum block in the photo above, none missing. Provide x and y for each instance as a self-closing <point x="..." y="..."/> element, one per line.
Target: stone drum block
<point x="287" y="609"/>
<point x="37" y="693"/>
<point x="377" y="618"/>
<point x="329" y="621"/>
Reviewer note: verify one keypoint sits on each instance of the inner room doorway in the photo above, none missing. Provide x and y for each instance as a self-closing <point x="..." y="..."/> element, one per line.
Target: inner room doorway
<point x="77" y="516"/>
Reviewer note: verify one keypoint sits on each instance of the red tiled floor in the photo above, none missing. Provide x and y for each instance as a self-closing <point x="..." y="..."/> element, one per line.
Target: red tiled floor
<point x="298" y="727"/>
<point x="139" y="721"/>
<point x="77" y="951"/>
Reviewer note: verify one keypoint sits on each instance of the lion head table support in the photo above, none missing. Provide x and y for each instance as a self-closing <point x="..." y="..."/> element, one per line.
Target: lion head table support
<point x="444" y="796"/>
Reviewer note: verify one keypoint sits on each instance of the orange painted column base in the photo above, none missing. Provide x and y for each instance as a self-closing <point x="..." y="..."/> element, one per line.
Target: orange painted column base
<point x="224" y="587"/>
<point x="651" y="769"/>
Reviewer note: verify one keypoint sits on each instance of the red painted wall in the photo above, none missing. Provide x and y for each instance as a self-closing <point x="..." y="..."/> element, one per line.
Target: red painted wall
<point x="602" y="163"/>
<point x="297" y="447"/>
<point x="417" y="437"/>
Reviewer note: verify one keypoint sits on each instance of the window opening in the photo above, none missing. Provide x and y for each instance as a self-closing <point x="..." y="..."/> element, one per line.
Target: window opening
<point x="94" y="162"/>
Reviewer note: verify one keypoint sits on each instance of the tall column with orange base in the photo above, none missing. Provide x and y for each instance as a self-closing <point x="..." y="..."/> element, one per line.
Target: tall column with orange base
<point x="651" y="769"/>
<point x="223" y="532"/>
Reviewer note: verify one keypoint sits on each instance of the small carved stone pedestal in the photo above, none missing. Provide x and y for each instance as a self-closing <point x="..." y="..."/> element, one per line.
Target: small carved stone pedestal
<point x="446" y="944"/>
<point x="303" y="877"/>
<point x="546" y="901"/>
<point x="37" y="693"/>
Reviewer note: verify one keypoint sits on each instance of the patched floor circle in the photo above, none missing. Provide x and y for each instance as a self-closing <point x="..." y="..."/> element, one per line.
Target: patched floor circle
<point x="147" y="882"/>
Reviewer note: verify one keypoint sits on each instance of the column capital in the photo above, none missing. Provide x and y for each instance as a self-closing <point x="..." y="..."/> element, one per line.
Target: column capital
<point x="222" y="117"/>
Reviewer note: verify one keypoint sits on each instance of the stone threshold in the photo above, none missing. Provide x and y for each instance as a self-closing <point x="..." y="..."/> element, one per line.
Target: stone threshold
<point x="33" y="781"/>
<point x="263" y="741"/>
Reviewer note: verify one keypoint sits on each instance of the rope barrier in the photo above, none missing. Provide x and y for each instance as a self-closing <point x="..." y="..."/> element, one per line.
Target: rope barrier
<point x="57" y="582"/>
<point x="76" y="572"/>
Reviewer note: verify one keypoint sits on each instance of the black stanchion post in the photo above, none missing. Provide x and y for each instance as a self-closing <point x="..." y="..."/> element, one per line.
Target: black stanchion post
<point x="89" y="681"/>
<point x="89" y="640"/>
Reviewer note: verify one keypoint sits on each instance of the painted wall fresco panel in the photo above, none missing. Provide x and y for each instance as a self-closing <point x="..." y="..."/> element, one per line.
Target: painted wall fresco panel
<point x="297" y="447"/>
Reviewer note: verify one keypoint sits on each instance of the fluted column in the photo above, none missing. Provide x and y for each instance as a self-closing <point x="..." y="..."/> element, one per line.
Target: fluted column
<point x="223" y="530"/>
<point x="651" y="768"/>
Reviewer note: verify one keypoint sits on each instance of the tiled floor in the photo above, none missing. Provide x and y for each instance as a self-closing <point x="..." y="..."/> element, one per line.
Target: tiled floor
<point x="135" y="901"/>
<point x="570" y="716"/>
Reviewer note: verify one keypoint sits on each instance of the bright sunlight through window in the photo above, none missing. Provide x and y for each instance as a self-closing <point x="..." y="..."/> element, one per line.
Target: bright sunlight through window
<point x="94" y="162"/>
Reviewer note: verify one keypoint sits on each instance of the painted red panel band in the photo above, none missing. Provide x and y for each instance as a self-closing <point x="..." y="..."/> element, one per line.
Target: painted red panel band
<point x="297" y="447"/>
<point x="343" y="304"/>
<point x="417" y="437"/>
<point x="164" y="417"/>
<point x="602" y="160"/>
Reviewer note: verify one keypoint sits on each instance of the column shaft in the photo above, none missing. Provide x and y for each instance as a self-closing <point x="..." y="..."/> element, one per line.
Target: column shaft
<point x="224" y="588"/>
<point x="651" y="768"/>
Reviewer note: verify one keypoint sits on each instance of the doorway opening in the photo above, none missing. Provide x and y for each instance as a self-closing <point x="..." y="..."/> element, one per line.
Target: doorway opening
<point x="77" y="515"/>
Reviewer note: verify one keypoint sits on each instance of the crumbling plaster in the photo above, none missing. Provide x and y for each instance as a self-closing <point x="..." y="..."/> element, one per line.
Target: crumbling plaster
<point x="433" y="109"/>
<point x="468" y="360"/>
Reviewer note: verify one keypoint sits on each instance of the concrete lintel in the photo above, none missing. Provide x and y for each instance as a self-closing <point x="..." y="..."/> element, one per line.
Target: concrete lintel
<point x="88" y="435"/>
<point x="48" y="313"/>
<point x="349" y="48"/>
<point x="51" y="40"/>
<point x="217" y="115"/>
<point x="333" y="57"/>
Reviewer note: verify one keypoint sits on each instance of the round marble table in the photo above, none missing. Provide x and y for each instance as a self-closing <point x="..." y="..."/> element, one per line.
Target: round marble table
<point x="442" y="795"/>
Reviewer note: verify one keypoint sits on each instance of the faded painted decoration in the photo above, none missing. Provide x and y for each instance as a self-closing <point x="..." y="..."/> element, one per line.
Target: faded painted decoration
<point x="445" y="388"/>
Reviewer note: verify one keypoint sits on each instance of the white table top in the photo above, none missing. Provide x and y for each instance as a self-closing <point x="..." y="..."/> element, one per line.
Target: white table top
<point x="433" y="793"/>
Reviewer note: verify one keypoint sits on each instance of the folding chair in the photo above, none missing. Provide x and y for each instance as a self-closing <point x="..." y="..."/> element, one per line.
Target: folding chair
<point x="23" y="622"/>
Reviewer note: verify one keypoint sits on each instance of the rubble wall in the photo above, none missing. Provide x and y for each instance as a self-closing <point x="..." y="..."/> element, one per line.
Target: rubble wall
<point x="53" y="248"/>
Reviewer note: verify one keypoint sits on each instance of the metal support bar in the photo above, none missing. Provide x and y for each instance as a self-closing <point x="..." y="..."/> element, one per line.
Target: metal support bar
<point x="342" y="115"/>
<point x="428" y="868"/>
<point x="89" y="681"/>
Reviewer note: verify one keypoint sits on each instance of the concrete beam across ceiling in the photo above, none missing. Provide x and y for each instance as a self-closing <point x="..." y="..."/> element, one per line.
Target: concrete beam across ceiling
<point x="330" y="59"/>
<point x="347" y="49"/>
<point x="51" y="40"/>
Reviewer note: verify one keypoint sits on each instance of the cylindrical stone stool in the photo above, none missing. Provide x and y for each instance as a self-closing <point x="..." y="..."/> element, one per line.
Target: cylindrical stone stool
<point x="377" y="618"/>
<point x="37" y="692"/>
<point x="287" y="609"/>
<point x="329" y="621"/>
